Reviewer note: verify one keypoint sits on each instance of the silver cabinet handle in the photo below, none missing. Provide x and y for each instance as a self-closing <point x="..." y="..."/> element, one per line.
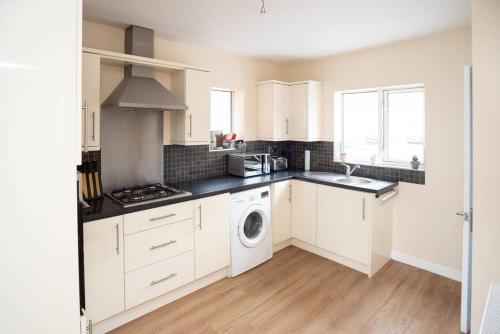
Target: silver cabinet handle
<point x="287" y="126"/>
<point x="190" y="125"/>
<point x="84" y="125"/>
<point x="93" y="126"/>
<point x="162" y="217"/>
<point x="163" y="279"/>
<point x="289" y="193"/>
<point x="117" y="227"/>
<point x="163" y="245"/>
<point x="200" y="217"/>
<point x="363" y="214"/>
<point x="89" y="327"/>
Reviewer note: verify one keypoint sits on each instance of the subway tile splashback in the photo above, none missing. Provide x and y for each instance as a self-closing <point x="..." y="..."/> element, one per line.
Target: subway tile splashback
<point x="183" y="163"/>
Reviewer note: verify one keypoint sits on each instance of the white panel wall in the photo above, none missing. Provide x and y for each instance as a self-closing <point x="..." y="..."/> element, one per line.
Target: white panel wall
<point x="38" y="215"/>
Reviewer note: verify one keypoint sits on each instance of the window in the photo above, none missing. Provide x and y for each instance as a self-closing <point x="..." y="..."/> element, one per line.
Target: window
<point x="221" y="110"/>
<point x="380" y="126"/>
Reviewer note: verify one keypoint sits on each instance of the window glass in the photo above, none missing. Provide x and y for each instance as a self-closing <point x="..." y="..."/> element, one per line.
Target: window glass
<point x="221" y="109"/>
<point x="381" y="126"/>
<point x="361" y="125"/>
<point x="405" y="125"/>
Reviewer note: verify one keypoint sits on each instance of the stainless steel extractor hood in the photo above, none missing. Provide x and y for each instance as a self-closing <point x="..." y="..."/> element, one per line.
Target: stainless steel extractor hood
<point x="139" y="90"/>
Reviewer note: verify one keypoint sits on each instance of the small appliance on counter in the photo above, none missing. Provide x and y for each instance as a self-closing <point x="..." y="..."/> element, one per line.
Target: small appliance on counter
<point x="249" y="164"/>
<point x="279" y="163"/>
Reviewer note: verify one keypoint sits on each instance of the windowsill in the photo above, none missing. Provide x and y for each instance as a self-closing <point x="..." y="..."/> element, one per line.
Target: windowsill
<point x="221" y="149"/>
<point x="383" y="165"/>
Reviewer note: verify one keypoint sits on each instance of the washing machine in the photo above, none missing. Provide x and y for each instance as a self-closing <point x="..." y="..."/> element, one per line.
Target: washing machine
<point x="251" y="233"/>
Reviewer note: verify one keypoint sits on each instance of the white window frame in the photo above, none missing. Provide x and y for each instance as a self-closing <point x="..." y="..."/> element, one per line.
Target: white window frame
<point x="382" y="124"/>
<point x="227" y="90"/>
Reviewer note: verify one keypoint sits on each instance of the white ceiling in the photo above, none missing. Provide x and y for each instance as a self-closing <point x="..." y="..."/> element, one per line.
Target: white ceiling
<point x="291" y="29"/>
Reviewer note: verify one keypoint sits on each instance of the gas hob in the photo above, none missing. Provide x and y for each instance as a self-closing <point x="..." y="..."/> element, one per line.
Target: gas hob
<point x="149" y="193"/>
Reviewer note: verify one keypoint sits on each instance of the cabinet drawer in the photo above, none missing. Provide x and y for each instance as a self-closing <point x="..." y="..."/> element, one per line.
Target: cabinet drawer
<point x="147" y="219"/>
<point x="152" y="281"/>
<point x="157" y="244"/>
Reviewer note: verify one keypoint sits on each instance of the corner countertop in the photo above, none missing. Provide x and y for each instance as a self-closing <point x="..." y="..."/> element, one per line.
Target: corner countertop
<point x="106" y="207"/>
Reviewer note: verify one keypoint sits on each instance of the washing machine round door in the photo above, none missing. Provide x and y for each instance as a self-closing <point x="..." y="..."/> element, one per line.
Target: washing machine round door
<point x="253" y="226"/>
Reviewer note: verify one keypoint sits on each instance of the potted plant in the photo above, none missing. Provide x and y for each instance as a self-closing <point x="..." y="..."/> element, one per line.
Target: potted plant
<point x="414" y="162"/>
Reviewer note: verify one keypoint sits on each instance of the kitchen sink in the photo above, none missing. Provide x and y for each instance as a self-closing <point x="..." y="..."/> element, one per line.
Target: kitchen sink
<point x="354" y="180"/>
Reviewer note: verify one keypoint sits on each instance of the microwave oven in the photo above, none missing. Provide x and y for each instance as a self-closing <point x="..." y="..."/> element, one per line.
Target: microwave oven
<point x="249" y="164"/>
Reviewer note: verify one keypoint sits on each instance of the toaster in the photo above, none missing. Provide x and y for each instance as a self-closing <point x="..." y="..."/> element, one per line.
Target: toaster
<point x="279" y="163"/>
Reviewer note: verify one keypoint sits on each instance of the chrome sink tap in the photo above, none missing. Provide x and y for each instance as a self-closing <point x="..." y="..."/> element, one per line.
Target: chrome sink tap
<point x="348" y="170"/>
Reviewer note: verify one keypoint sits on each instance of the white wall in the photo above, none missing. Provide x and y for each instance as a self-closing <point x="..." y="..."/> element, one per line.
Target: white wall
<point x="486" y="109"/>
<point x="227" y="70"/>
<point x="38" y="217"/>
<point x="425" y="225"/>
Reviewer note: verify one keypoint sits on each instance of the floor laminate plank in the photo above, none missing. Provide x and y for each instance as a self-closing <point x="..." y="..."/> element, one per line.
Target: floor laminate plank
<point x="299" y="292"/>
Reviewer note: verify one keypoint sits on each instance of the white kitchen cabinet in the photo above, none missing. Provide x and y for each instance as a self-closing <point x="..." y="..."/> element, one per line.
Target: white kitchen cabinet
<point x="356" y="226"/>
<point x="344" y="222"/>
<point x="281" y="197"/>
<point x="91" y="103"/>
<point x="212" y="242"/>
<point x="304" y="211"/>
<point x="192" y="126"/>
<point x="104" y="268"/>
<point x="273" y="110"/>
<point x="289" y="111"/>
<point x="305" y="111"/>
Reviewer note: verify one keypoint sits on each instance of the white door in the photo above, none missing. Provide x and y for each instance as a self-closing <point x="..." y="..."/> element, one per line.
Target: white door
<point x="299" y="111"/>
<point x="467" y="212"/>
<point x="281" y="112"/>
<point x="344" y="222"/>
<point x="304" y="211"/>
<point x="212" y="223"/>
<point x="104" y="268"/>
<point x="281" y="197"/>
<point x="198" y="102"/>
<point x="91" y="103"/>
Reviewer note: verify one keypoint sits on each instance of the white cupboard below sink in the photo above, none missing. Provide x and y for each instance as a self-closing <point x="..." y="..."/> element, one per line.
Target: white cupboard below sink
<point x="355" y="226"/>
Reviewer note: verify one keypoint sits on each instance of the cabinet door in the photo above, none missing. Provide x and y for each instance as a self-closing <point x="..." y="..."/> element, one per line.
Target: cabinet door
<point x="265" y="111"/>
<point x="304" y="211"/>
<point x="281" y="111"/>
<point x="91" y="103"/>
<point x="298" y="112"/>
<point x="281" y="196"/>
<point x="344" y="222"/>
<point x="104" y="268"/>
<point x="198" y="102"/>
<point x="211" y="237"/>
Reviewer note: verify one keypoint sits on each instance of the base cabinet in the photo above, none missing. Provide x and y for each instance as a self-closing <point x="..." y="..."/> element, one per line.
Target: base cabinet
<point x="104" y="268"/>
<point x="355" y="226"/>
<point x="281" y="199"/>
<point x="304" y="211"/>
<point x="343" y="222"/>
<point x="212" y="234"/>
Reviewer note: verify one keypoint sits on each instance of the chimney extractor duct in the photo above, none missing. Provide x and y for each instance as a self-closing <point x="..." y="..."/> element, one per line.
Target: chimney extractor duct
<point x="139" y="90"/>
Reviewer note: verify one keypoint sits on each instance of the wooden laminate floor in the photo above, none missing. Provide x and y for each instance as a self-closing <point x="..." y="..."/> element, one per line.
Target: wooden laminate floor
<point x="299" y="292"/>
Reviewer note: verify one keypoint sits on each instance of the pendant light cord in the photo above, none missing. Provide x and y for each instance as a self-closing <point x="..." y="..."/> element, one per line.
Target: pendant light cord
<point x="263" y="8"/>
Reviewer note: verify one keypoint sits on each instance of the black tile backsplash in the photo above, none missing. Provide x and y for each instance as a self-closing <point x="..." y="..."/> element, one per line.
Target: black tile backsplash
<point x="184" y="163"/>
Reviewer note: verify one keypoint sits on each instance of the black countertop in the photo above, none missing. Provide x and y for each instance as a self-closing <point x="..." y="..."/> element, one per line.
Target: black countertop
<point x="106" y="207"/>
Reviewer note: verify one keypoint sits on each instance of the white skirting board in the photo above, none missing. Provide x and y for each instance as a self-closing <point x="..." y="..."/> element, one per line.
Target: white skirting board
<point x="140" y="310"/>
<point x="429" y="266"/>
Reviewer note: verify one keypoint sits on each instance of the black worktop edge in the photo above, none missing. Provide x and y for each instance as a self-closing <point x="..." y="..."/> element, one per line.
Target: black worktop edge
<point x="117" y="210"/>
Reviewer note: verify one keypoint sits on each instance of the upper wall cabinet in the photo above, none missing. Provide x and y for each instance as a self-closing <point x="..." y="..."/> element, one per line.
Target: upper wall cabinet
<point x="289" y="111"/>
<point x="191" y="127"/>
<point x="91" y="103"/>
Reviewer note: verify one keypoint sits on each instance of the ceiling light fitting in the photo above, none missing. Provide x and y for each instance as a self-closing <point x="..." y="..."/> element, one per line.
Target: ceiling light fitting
<point x="263" y="8"/>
